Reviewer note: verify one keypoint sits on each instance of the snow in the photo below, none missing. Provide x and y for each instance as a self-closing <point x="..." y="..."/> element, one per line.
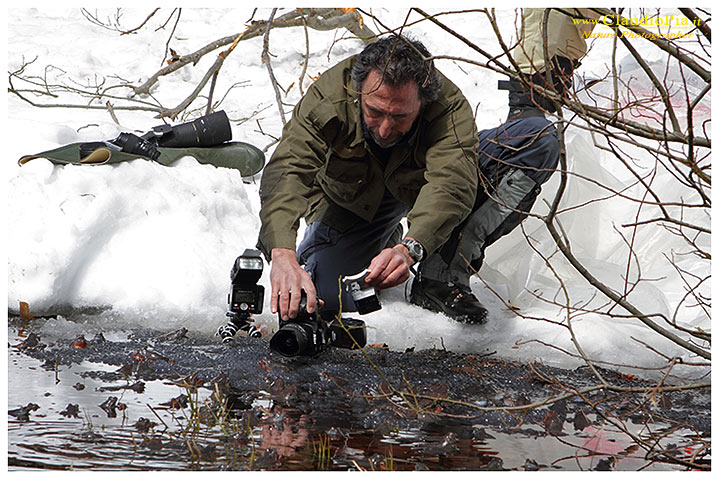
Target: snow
<point x="152" y="246"/>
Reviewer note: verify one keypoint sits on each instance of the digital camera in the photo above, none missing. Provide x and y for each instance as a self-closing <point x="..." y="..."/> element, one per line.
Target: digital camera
<point x="309" y="334"/>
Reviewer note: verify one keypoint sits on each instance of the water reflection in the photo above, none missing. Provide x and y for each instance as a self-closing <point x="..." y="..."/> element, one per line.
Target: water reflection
<point x="283" y="434"/>
<point x="165" y="426"/>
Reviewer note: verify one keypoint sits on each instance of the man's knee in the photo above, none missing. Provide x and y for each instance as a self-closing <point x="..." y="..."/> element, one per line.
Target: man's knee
<point x="530" y="144"/>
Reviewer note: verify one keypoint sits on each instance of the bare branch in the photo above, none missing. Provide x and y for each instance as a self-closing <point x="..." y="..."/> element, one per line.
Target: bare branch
<point x="268" y="65"/>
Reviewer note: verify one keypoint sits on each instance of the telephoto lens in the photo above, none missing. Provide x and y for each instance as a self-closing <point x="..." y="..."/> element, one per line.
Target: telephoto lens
<point x="206" y="131"/>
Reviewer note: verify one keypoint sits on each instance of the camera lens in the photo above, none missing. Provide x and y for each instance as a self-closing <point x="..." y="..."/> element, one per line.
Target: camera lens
<point x="291" y="340"/>
<point x="212" y="129"/>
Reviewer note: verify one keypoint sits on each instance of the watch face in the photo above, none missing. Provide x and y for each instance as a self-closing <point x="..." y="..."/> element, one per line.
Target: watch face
<point x="415" y="250"/>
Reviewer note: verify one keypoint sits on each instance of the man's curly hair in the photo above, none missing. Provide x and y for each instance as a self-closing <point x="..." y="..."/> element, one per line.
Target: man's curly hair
<point x="399" y="60"/>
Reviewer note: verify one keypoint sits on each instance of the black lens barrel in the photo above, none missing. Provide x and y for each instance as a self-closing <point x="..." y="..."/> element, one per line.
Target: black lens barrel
<point x="206" y="131"/>
<point x="291" y="340"/>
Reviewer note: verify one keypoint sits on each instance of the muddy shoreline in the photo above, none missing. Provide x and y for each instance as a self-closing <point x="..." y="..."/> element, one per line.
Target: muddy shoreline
<point x="247" y="365"/>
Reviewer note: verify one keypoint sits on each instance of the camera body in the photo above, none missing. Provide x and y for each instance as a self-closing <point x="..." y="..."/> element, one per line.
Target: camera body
<point x="131" y="143"/>
<point x="309" y="334"/>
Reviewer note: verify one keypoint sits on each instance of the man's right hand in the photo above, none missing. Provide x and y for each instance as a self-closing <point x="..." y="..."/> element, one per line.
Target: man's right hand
<point x="287" y="281"/>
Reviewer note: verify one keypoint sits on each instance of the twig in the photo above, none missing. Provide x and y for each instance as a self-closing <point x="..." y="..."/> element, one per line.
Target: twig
<point x="307" y="57"/>
<point x="267" y="61"/>
<point x="132" y="30"/>
<point x="172" y="32"/>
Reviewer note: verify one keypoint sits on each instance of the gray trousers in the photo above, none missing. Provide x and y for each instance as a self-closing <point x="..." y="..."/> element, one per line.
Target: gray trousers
<point x="514" y="160"/>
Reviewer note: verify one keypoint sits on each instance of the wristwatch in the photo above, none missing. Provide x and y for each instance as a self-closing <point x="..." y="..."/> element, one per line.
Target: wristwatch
<point x="415" y="249"/>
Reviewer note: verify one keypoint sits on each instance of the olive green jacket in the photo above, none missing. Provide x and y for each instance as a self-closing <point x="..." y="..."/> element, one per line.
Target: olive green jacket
<point x="323" y="168"/>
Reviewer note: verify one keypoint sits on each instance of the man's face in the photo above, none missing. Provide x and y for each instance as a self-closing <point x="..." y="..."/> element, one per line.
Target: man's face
<point x="389" y="112"/>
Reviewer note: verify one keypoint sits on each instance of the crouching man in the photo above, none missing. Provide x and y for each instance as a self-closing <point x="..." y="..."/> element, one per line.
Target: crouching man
<point x="381" y="136"/>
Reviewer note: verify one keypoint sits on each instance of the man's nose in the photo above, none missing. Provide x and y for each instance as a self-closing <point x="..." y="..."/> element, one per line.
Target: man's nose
<point x="386" y="127"/>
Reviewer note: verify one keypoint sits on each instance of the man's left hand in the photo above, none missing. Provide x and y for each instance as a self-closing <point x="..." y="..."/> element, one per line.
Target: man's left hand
<point x="389" y="268"/>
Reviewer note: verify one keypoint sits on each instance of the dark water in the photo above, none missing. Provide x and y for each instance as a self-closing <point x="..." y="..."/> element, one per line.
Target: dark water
<point x="142" y="403"/>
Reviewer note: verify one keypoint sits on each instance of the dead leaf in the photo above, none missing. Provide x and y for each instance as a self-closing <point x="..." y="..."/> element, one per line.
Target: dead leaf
<point x="580" y="422"/>
<point x="174" y="57"/>
<point x="138" y="357"/>
<point x="25" y="311"/>
<point x="553" y="423"/>
<point x="80" y="342"/>
<point x="353" y="10"/>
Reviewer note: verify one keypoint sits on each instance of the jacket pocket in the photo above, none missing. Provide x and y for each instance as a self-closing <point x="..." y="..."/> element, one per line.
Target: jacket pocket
<point x="350" y="171"/>
<point x="344" y="178"/>
<point x="407" y="183"/>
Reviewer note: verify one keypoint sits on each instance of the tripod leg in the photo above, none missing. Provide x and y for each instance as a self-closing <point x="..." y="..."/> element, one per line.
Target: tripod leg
<point x="236" y="323"/>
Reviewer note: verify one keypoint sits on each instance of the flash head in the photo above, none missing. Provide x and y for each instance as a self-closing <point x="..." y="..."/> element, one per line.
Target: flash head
<point x="248" y="267"/>
<point x="365" y="297"/>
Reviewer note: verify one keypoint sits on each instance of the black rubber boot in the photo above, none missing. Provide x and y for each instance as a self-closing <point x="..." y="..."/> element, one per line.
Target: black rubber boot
<point x="455" y="301"/>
